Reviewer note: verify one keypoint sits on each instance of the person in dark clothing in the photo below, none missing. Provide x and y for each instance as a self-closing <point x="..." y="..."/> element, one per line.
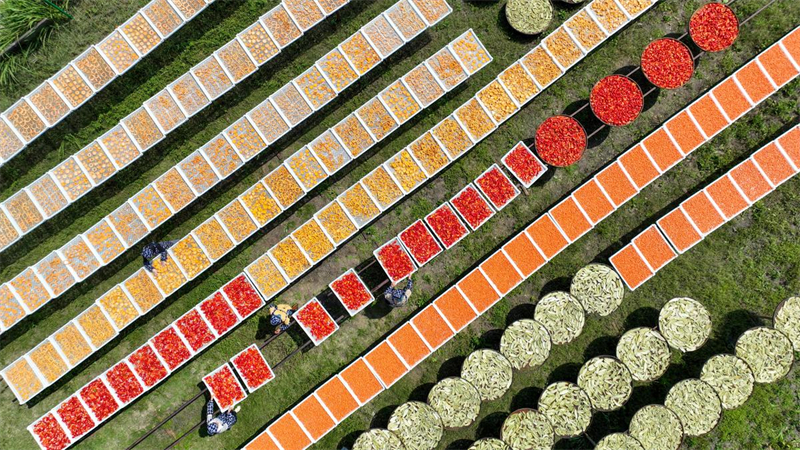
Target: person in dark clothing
<point x="398" y="297"/>
<point x="153" y="250"/>
<point x="223" y="422"/>
<point x="280" y="317"/>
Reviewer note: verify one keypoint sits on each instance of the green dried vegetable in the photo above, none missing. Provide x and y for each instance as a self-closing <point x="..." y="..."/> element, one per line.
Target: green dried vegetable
<point x="618" y="441"/>
<point x="730" y="377"/>
<point x="685" y="324"/>
<point x="607" y="382"/>
<point x="567" y="407"/>
<point x="489" y="371"/>
<point x="456" y="401"/>
<point x="378" y="439"/>
<point x="787" y="320"/>
<point x="529" y="16"/>
<point x="767" y="351"/>
<point x="417" y="425"/>
<point x="697" y="406"/>
<point x="562" y="315"/>
<point x="489" y="444"/>
<point x="644" y="352"/>
<point x="598" y="288"/>
<point x="526" y="343"/>
<point x="657" y="428"/>
<point x="528" y="429"/>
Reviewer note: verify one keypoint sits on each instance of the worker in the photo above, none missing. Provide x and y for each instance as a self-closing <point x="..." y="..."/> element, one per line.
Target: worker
<point x="398" y="297"/>
<point x="153" y="250"/>
<point x="221" y="423"/>
<point x="280" y="316"/>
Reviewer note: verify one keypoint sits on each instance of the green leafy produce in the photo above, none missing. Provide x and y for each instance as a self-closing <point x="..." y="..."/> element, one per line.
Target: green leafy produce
<point x="730" y="377"/>
<point x="528" y="429"/>
<point x="697" y="406"/>
<point x="567" y="407"/>
<point x="618" y="441"/>
<point x="607" y="382"/>
<point x="598" y="288"/>
<point x="767" y="351"/>
<point x="657" y="428"/>
<point x="378" y="439"/>
<point x="529" y="16"/>
<point x="417" y="425"/>
<point x="526" y="343"/>
<point x="456" y="401"/>
<point x="489" y="371"/>
<point x="562" y="315"/>
<point x="489" y="444"/>
<point x="685" y="324"/>
<point x="644" y="352"/>
<point x="787" y="320"/>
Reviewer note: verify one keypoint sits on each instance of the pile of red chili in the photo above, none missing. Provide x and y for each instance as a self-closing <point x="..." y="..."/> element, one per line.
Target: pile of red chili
<point x="560" y="141"/>
<point x="616" y="100"/>
<point x="667" y="63"/>
<point x="714" y="27"/>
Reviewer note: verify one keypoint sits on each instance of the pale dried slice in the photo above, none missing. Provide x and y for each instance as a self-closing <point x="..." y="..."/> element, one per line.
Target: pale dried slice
<point x="697" y="406"/>
<point x="644" y="352"/>
<point x="526" y="343"/>
<point x="529" y="16"/>
<point x="489" y="371"/>
<point x="567" y="407"/>
<point x="417" y="425"/>
<point x="456" y="401"/>
<point x="730" y="377"/>
<point x="378" y="439"/>
<point x="618" y="441"/>
<point x="599" y="289"/>
<point x="787" y="320"/>
<point x="528" y="429"/>
<point x="607" y="382"/>
<point x="685" y="324"/>
<point x="656" y="427"/>
<point x="488" y="444"/>
<point x="767" y="351"/>
<point x="562" y="315"/>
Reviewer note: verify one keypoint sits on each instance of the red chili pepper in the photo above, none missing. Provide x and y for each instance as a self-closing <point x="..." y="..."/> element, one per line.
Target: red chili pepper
<point x="497" y="187"/>
<point x="560" y="141"/>
<point x="99" y="399"/>
<point x="420" y="242"/>
<point x="147" y="366"/>
<point x="472" y="207"/>
<point x="351" y="291"/>
<point x="616" y="100"/>
<point x="224" y="387"/>
<point x="75" y="417"/>
<point x="243" y="295"/>
<point x="50" y="433"/>
<point x="253" y="368"/>
<point x="124" y="382"/>
<point x="667" y="63"/>
<point x="171" y="348"/>
<point x="714" y="27"/>
<point x="218" y="313"/>
<point x="195" y="330"/>
<point x="446" y="225"/>
<point x="524" y="165"/>
<point x="316" y="320"/>
<point x="395" y="261"/>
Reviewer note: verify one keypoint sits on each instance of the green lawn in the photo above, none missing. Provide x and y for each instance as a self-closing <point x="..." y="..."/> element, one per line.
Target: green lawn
<point x="740" y="273"/>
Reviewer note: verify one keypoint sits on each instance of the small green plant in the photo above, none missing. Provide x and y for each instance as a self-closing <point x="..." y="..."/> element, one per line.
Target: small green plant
<point x="25" y="26"/>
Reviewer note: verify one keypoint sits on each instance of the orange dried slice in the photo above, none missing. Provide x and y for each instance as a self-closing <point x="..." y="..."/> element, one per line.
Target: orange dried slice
<point x="660" y="147"/>
<point x="750" y="181"/>
<point x="774" y="164"/>
<point x="409" y="345"/>
<point x="791" y="145"/>
<point x="593" y="201"/>
<point x="754" y="82"/>
<point x="570" y="219"/>
<point x="313" y="417"/>
<point x="386" y="364"/>
<point x="679" y="230"/>
<point x="337" y="398"/>
<point x="455" y="309"/>
<point x="432" y="327"/>
<point x="702" y="213"/>
<point x="262" y="442"/>
<point x="524" y="254"/>
<point x="546" y="236"/>
<point x="654" y="247"/>
<point x="499" y="269"/>
<point x="685" y="132"/>
<point x="478" y="291"/>
<point x="731" y="98"/>
<point x="708" y="115"/>
<point x="616" y="184"/>
<point x="361" y="381"/>
<point x="631" y="267"/>
<point x="288" y="434"/>
<point x="727" y="197"/>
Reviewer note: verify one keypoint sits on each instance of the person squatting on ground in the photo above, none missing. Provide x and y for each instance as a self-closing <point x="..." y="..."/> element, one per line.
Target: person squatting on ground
<point x="398" y="297"/>
<point x="153" y="250"/>
<point x="280" y="317"/>
<point x="223" y="422"/>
